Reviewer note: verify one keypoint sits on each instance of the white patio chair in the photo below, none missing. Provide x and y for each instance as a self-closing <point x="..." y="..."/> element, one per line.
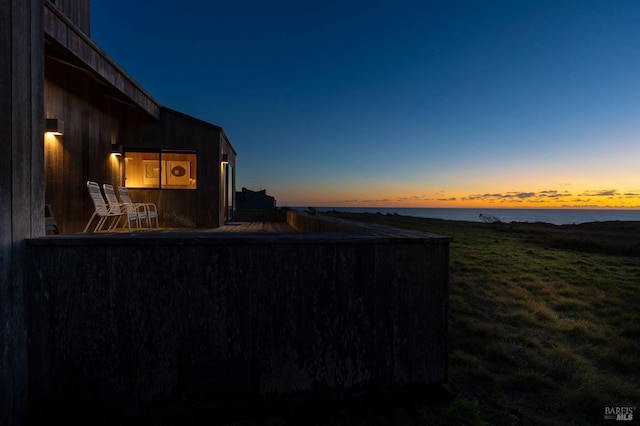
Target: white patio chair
<point x="101" y="208"/>
<point x="150" y="208"/>
<point x="128" y="211"/>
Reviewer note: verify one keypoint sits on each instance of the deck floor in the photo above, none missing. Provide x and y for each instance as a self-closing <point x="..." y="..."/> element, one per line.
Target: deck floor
<point x="236" y="227"/>
<point x="252" y="227"/>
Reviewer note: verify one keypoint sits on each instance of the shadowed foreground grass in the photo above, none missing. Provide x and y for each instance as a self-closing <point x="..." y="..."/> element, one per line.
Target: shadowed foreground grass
<point x="544" y="328"/>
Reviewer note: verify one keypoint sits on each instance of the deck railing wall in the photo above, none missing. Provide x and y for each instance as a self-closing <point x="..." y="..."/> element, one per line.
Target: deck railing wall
<point x="274" y="215"/>
<point x="130" y="322"/>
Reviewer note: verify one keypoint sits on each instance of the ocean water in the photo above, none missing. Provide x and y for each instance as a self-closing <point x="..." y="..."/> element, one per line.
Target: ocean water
<point x="554" y="216"/>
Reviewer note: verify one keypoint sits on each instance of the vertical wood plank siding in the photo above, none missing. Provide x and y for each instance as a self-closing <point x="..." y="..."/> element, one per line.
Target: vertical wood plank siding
<point x="203" y="318"/>
<point x="101" y="105"/>
<point x="92" y="123"/>
<point x="21" y="171"/>
<point x="187" y="208"/>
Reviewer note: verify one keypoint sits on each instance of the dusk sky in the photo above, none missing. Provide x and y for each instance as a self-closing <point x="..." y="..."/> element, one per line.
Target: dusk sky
<point x="401" y="103"/>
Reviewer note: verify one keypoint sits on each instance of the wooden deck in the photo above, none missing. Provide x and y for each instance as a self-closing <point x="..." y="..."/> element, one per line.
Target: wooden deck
<point x="252" y="227"/>
<point x="235" y="227"/>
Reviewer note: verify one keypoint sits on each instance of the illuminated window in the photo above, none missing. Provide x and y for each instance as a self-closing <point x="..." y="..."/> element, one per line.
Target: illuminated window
<point x="179" y="170"/>
<point x="160" y="170"/>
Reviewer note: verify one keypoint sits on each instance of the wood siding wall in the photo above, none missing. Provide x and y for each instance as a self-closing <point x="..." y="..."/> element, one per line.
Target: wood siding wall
<point x="21" y="192"/>
<point x="200" y="208"/>
<point x="92" y="122"/>
<point x="101" y="105"/>
<point x="199" y="319"/>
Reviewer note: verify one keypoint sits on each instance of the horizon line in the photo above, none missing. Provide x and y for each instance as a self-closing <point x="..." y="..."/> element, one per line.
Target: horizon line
<point x="470" y="208"/>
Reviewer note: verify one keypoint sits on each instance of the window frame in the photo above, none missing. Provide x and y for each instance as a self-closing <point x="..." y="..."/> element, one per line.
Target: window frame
<point x="162" y="175"/>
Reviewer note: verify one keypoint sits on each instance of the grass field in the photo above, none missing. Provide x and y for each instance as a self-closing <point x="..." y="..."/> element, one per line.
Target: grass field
<point x="544" y="323"/>
<point x="544" y="329"/>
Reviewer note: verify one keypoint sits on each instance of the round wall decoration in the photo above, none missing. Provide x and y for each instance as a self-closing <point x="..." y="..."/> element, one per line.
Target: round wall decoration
<point x="178" y="171"/>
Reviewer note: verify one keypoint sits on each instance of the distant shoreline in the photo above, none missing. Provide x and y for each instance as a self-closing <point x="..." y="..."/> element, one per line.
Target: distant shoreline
<point x="555" y="216"/>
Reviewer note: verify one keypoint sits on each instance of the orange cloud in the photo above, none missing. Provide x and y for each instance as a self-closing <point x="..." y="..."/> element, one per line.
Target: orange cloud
<point x="590" y="198"/>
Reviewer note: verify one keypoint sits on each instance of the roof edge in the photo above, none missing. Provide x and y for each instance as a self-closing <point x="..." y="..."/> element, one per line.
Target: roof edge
<point x="78" y="44"/>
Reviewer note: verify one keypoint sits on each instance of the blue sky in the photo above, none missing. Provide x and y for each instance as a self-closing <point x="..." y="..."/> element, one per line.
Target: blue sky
<point x="401" y="103"/>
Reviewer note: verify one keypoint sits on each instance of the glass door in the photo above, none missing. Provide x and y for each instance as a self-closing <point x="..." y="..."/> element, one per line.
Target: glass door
<point x="229" y="198"/>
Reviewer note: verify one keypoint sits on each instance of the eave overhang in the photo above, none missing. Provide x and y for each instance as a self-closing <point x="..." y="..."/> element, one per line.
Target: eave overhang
<point x="86" y="54"/>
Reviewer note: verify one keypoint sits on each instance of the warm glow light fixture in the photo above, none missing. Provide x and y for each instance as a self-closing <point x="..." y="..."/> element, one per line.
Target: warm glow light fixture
<point x="55" y="126"/>
<point x="116" y="149"/>
<point x="225" y="158"/>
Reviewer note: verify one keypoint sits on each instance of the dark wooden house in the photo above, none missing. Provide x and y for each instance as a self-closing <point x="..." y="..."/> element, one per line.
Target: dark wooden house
<point x="114" y="132"/>
<point x="54" y="77"/>
<point x="164" y="323"/>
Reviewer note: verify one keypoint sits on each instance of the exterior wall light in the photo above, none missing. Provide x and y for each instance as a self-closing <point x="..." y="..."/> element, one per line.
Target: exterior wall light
<point x="55" y="126"/>
<point x="225" y="159"/>
<point x="116" y="149"/>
